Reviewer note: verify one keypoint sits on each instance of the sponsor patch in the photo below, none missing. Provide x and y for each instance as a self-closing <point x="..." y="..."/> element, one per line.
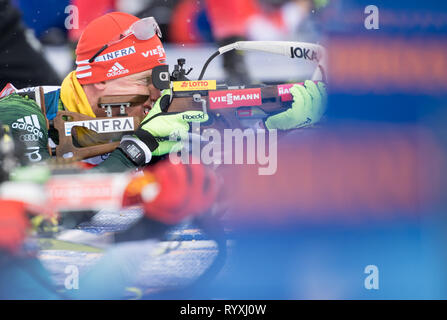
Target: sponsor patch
<point x="235" y="98"/>
<point x="116" y="54"/>
<point x="29" y="124"/>
<point x="194" y="85"/>
<point x="160" y="77"/>
<point x="28" y="137"/>
<point x="102" y="125"/>
<point x="33" y="154"/>
<point x="304" y="53"/>
<point x="117" y="69"/>
<point x="188" y="117"/>
<point x="284" y="91"/>
<point x="81" y="191"/>
<point x="159" y="51"/>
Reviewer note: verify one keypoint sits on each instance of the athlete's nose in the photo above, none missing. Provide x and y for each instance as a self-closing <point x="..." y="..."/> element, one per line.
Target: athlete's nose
<point x="148" y="103"/>
<point x="154" y="94"/>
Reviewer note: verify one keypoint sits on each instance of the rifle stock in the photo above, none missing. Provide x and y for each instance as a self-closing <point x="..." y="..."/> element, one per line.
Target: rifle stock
<point x="67" y="148"/>
<point x="227" y="108"/>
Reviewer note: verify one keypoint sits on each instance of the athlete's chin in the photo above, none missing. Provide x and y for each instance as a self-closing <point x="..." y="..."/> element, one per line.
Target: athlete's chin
<point x="148" y="108"/>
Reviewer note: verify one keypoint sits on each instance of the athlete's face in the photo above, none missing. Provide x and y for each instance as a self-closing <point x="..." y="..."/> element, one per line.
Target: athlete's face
<point x="136" y="84"/>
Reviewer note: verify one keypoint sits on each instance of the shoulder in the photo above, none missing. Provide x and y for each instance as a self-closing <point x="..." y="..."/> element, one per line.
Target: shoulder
<point x="22" y="113"/>
<point x="18" y="103"/>
<point x="26" y="98"/>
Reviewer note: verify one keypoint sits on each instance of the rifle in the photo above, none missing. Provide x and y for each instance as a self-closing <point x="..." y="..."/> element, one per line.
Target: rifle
<point x="226" y="107"/>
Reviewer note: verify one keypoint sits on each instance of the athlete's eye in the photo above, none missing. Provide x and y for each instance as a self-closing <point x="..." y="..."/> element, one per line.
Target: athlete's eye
<point x="145" y="81"/>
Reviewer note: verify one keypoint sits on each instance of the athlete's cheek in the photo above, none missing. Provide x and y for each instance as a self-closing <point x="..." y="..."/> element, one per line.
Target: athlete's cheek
<point x="137" y="111"/>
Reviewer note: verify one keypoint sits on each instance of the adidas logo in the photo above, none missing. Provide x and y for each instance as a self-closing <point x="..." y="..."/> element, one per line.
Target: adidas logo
<point x="29" y="124"/>
<point x="116" y="69"/>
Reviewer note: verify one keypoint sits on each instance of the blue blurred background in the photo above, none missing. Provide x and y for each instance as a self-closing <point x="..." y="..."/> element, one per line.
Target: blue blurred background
<point x="387" y="89"/>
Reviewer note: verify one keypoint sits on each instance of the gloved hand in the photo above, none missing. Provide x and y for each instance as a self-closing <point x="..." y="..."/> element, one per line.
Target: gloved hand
<point x="160" y="131"/>
<point x="172" y="192"/>
<point x="14" y="225"/>
<point x="309" y="103"/>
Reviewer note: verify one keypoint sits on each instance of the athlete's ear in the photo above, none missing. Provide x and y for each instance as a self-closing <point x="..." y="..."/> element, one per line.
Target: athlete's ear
<point x="100" y="86"/>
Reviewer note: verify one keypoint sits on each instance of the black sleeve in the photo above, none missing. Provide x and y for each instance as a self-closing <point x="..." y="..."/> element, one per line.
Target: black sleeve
<point x="116" y="162"/>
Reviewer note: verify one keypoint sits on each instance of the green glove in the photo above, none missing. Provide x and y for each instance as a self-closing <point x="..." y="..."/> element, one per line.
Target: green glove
<point x="160" y="131"/>
<point x="309" y="103"/>
<point x="169" y="128"/>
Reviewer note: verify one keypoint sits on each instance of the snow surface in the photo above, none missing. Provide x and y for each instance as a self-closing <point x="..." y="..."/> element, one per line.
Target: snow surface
<point x="171" y="264"/>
